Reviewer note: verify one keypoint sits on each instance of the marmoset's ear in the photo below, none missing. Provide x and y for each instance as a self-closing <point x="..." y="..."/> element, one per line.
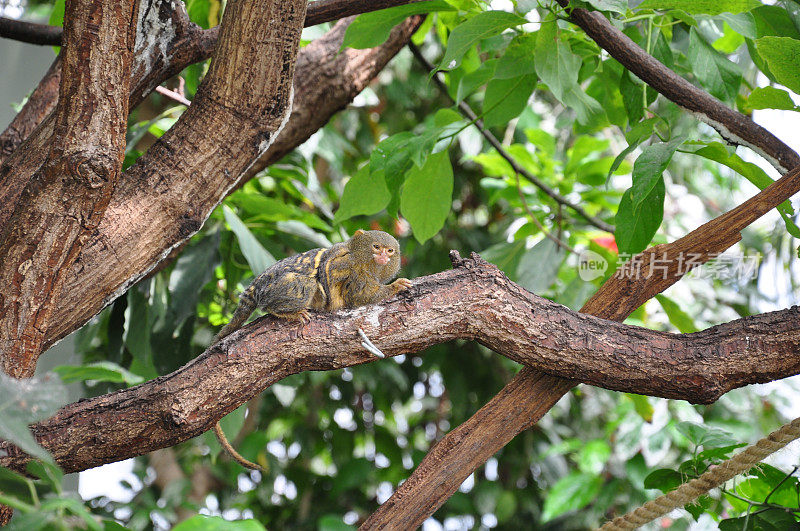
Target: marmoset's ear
<point x="358" y="232"/>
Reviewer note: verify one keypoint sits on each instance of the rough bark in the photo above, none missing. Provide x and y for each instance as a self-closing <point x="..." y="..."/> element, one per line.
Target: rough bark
<point x="65" y="200"/>
<point x="163" y="193"/>
<point x="167" y="42"/>
<point x="473" y="301"/>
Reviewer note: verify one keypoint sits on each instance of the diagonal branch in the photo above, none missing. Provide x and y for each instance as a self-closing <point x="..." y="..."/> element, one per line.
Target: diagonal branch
<point x="30" y="32"/>
<point x="530" y="394"/>
<point x="475" y="301"/>
<point x="733" y="126"/>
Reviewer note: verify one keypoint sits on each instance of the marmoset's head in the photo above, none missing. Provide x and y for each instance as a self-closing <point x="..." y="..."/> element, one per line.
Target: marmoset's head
<point x="378" y="251"/>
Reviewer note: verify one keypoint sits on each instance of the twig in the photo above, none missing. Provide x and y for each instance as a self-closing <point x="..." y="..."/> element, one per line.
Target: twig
<point x="467" y="111"/>
<point x="173" y="95"/>
<point x="538" y="223"/>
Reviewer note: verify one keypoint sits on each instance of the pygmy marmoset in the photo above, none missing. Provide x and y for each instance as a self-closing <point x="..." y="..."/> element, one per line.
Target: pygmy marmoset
<point x="347" y="275"/>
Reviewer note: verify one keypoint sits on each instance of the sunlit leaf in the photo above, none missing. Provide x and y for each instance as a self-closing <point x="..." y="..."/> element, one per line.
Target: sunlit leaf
<point x="372" y="29"/>
<point x="475" y="29"/>
<point x="101" y="371"/>
<point x="427" y="194"/>
<point x="571" y="493"/>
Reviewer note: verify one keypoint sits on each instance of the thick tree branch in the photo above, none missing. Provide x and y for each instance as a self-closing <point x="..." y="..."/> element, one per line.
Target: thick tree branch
<point x="66" y="198"/>
<point x="167" y="199"/>
<point x="473" y="301"/>
<point x="455" y="457"/>
<point x="734" y="126"/>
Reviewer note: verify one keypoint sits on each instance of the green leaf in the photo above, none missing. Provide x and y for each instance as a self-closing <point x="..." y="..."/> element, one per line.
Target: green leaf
<point x="556" y="65"/>
<point x="742" y="23"/>
<point x="585" y="106"/>
<point x="593" y="456"/>
<point x="702" y="7"/>
<point x="24" y="402"/>
<point x="427" y="196"/>
<point x="101" y="371"/>
<point x="49" y="473"/>
<point x="217" y="523"/>
<point x="57" y="18"/>
<point x="719" y="153"/>
<point x="517" y="60"/>
<point x="632" y="96"/>
<point x="506" y="256"/>
<point x="774" y="20"/>
<point x="372" y="29"/>
<point x="585" y="149"/>
<point x="538" y="267"/>
<point x="637" y="134"/>
<point x="716" y="72"/>
<point x="445" y="117"/>
<point x="505" y="99"/>
<point x="506" y="506"/>
<point x="478" y="77"/>
<point x="615" y="6"/>
<point x="776" y="519"/>
<point x="648" y="169"/>
<point x="477" y="28"/>
<point x="636" y="227"/>
<point x="705" y="435"/>
<point x="258" y="258"/>
<point x="770" y="98"/>
<point x="782" y="54"/>
<point x="642" y="406"/>
<point x="677" y="316"/>
<point x="571" y="493"/>
<point x="198" y="11"/>
<point x="139" y="320"/>
<point x="301" y="230"/>
<point x="393" y="156"/>
<point x="663" y="479"/>
<point x="730" y="40"/>
<point x="16" y="485"/>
